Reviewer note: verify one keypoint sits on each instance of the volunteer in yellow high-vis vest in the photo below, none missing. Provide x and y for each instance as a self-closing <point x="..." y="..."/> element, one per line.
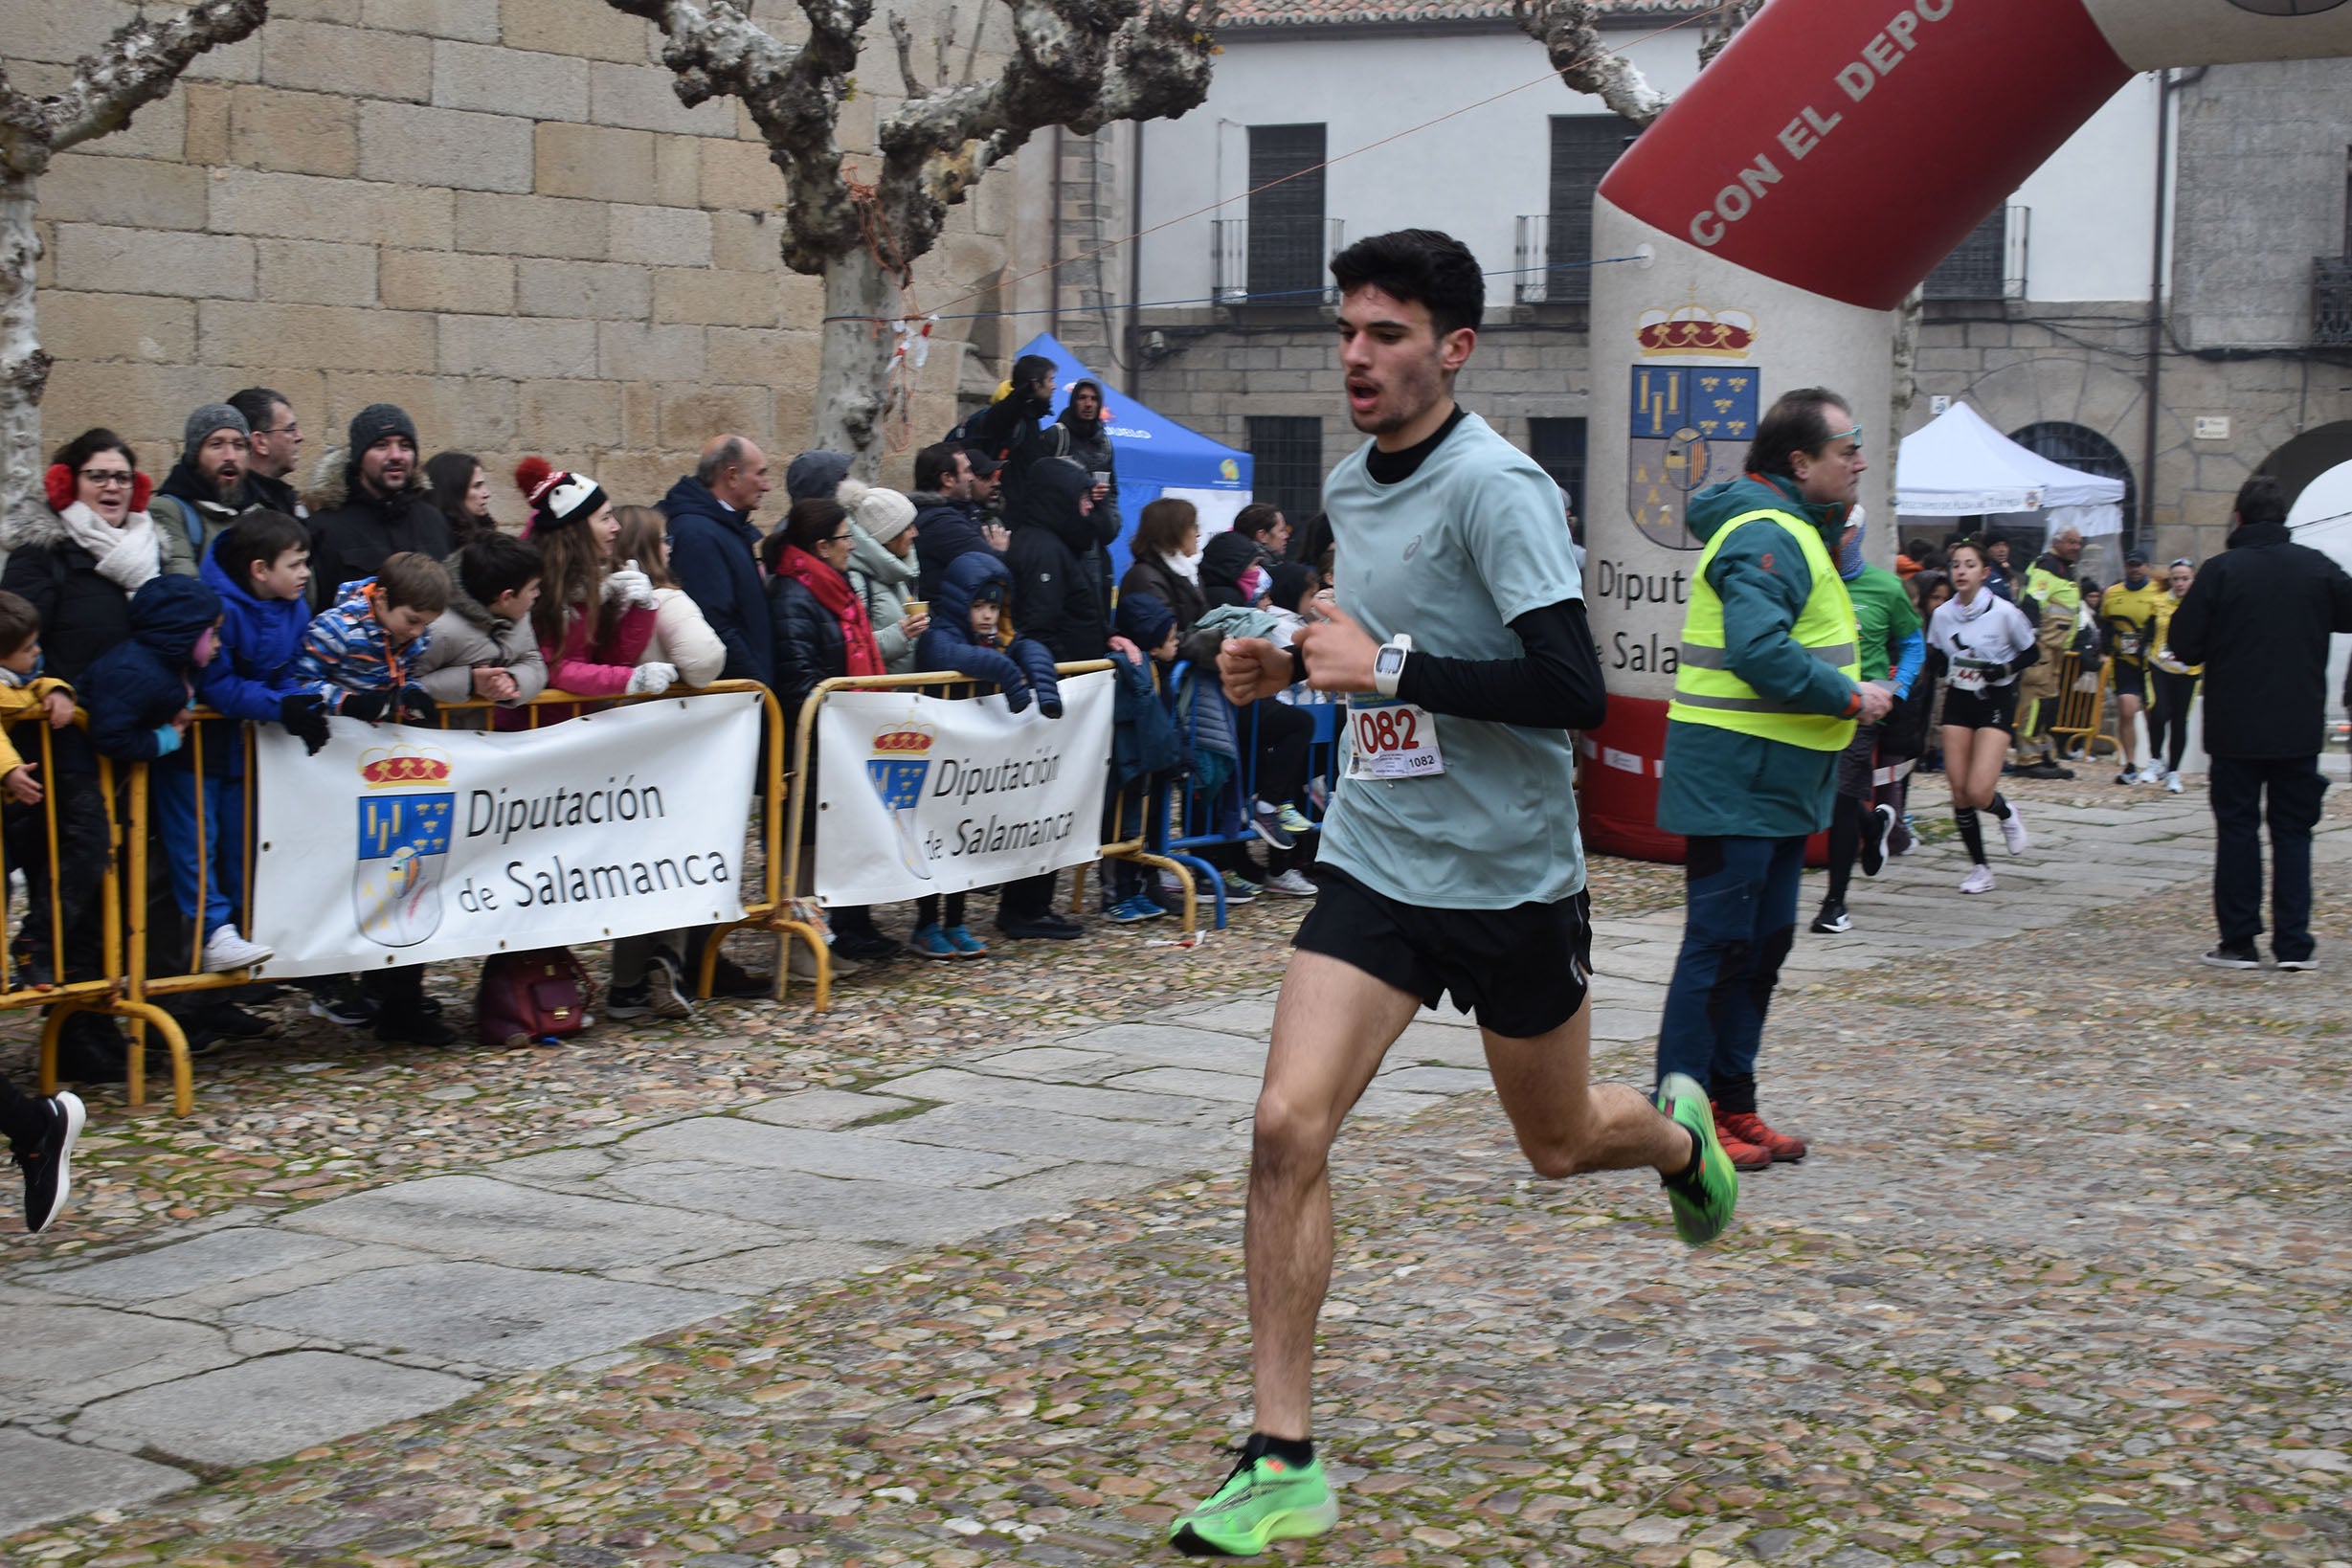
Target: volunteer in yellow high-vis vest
<point x="1766" y="696"/>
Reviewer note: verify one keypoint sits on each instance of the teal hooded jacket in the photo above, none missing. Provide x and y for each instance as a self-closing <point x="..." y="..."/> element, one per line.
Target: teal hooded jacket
<point x="1719" y="782"/>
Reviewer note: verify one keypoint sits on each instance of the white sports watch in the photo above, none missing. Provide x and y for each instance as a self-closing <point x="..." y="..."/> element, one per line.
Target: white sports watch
<point x="1388" y="665"/>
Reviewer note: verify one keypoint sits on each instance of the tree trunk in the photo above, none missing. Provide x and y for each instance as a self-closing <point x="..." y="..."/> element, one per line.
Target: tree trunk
<point x="852" y="372"/>
<point x="23" y="368"/>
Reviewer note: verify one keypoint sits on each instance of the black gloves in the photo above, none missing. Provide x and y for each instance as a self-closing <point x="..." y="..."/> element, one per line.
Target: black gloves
<point x="367" y="706"/>
<point x="1050" y="704"/>
<point x="304" y="717"/>
<point x="413" y="704"/>
<point x="417" y="706"/>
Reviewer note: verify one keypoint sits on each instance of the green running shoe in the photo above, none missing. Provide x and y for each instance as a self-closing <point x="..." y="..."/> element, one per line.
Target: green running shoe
<point x="1263" y="1501"/>
<point x="1703" y="1204"/>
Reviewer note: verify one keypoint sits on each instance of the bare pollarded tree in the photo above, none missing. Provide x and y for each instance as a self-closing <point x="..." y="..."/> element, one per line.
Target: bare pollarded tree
<point x="1078" y="63"/>
<point x="134" y="68"/>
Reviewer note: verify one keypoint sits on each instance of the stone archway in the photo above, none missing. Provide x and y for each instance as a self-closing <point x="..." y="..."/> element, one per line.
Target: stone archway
<point x="2308" y="456"/>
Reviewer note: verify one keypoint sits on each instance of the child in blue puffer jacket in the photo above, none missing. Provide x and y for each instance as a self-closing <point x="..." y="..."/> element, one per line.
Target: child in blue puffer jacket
<point x="972" y="633"/>
<point x="142" y="697"/>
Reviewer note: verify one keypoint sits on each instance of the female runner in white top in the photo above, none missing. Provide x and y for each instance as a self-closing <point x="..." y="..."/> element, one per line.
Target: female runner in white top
<point x="1981" y="640"/>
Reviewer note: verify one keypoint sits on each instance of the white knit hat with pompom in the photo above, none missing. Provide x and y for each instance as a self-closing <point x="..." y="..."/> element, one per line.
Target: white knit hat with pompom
<point x="883" y="514"/>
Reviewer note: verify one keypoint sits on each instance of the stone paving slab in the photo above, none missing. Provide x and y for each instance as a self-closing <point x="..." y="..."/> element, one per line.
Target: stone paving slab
<point x="724" y="1139"/>
<point x="823" y="1108"/>
<point x="485" y="1314"/>
<point x="879" y="1211"/>
<point x="270" y="1408"/>
<point x="1058" y="1136"/>
<point x="61" y="1355"/>
<point x="43" y="1479"/>
<point x="225" y="1257"/>
<point x="474" y="1217"/>
<point x="954" y="1084"/>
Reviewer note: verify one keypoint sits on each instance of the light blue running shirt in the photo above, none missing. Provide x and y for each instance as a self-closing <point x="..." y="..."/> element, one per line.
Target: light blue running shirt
<point x="1470" y="540"/>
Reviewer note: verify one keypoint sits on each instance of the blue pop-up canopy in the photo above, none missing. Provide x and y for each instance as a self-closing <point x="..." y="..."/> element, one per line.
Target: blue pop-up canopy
<point x="1155" y="453"/>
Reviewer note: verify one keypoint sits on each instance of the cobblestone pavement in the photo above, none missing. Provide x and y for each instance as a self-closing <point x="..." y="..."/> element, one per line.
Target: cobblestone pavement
<point x="2062" y="1282"/>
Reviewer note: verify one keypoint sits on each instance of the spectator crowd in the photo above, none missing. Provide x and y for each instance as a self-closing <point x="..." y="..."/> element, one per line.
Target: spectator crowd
<point x="392" y="590"/>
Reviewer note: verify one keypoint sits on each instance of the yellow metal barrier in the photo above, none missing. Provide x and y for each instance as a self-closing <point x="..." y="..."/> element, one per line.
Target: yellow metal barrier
<point x="128" y="990"/>
<point x="947" y="683"/>
<point x="2082" y="713"/>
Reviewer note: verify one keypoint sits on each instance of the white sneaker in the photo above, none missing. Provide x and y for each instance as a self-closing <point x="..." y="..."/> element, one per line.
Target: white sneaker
<point x="1980" y="880"/>
<point x="2152" y="774"/>
<point x="224" y="950"/>
<point x="1294" y="883"/>
<point x="2172" y="783"/>
<point x="2013" y="831"/>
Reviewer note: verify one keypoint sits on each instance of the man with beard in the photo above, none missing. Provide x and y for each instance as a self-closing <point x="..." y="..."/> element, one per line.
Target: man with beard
<point x="275" y="446"/>
<point x="383" y="509"/>
<point x="206" y="489"/>
<point x="1450" y="856"/>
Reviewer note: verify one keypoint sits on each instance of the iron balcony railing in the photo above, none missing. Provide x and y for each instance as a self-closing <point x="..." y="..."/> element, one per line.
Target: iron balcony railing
<point x="1990" y="263"/>
<point x="1550" y="246"/>
<point x="2331" y="302"/>
<point x="1275" y="261"/>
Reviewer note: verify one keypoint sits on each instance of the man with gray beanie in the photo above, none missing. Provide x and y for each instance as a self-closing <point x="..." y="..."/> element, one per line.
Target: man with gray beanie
<point x="205" y="490"/>
<point x="384" y="510"/>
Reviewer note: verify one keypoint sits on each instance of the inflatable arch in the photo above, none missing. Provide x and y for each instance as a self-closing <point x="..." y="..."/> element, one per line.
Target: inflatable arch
<point x="1784" y="206"/>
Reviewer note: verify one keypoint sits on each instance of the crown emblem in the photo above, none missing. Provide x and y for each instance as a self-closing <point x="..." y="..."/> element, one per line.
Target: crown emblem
<point x="1694" y="329"/>
<point x="391" y="767"/>
<point x="904" y="740"/>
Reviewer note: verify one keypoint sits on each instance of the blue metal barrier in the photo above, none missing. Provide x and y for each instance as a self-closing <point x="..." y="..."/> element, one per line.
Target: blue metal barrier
<point x="1186" y="818"/>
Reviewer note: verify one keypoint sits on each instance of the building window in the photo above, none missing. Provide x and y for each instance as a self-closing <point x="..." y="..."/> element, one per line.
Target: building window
<point x="1286" y="219"/>
<point x="1584" y="146"/>
<point x="2079" y="447"/>
<point x="1558" y="446"/>
<point x="1286" y="456"/>
<point x="1989" y="263"/>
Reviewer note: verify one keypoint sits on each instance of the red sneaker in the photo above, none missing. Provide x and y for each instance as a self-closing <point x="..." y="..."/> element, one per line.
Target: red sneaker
<point x="1749" y="1128"/>
<point x="1744" y="1155"/>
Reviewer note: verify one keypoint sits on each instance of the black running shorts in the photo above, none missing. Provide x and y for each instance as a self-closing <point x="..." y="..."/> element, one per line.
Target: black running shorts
<point x="1523" y="971"/>
<point x="2128" y="679"/>
<point x="1995" y="707"/>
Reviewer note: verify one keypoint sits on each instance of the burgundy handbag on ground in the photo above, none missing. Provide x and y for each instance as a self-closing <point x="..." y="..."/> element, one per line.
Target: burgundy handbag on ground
<point x="532" y="999"/>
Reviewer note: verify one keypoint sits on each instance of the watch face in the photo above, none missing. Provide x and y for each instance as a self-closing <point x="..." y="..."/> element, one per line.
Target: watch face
<point x="1390" y="661"/>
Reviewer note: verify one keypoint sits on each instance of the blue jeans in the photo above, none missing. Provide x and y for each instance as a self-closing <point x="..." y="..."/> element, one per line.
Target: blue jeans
<point x="175" y="794"/>
<point x="1739" y="917"/>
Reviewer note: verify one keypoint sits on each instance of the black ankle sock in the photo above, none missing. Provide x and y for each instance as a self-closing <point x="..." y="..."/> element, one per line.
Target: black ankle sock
<point x="1999" y="808"/>
<point x="1972" y="833"/>
<point x="1297" y="1453"/>
<point x="1688" y="1172"/>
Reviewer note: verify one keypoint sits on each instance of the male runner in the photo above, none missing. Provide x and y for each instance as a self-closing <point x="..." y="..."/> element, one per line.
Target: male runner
<point x="1451" y="854"/>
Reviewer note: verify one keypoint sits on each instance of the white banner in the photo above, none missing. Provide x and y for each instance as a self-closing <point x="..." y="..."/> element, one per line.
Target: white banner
<point x="923" y="795"/>
<point x="398" y="845"/>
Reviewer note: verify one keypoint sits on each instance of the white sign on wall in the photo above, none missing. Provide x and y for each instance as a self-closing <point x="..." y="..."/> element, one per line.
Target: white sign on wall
<point x="923" y="795"/>
<point x="399" y="846"/>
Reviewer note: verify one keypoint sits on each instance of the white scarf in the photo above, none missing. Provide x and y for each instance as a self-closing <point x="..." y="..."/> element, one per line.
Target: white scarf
<point x="1186" y="567"/>
<point x="126" y="556"/>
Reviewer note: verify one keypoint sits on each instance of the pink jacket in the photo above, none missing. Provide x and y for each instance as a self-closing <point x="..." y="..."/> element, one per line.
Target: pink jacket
<point x="598" y="669"/>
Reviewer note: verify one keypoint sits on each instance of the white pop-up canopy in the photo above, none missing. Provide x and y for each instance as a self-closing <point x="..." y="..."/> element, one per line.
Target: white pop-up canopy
<point x="1957" y="466"/>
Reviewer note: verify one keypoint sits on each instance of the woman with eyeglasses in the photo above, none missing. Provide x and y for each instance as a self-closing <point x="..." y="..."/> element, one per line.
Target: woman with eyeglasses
<point x="2176" y="683"/>
<point x="78" y="561"/>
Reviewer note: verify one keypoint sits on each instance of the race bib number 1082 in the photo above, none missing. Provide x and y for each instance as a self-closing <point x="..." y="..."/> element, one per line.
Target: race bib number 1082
<point x="1392" y="740"/>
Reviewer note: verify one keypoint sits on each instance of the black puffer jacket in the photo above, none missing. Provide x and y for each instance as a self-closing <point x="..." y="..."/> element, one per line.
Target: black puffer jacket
<point x="807" y="642"/>
<point x="2257" y="619"/>
<point x="944" y="530"/>
<point x="1059" y="604"/>
<point x="352" y="538"/>
<point x="82" y="613"/>
<point x="1181" y="594"/>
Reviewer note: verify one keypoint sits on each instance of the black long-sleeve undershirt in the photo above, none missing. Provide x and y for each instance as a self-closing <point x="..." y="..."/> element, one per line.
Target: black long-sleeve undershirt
<point x="1555" y="684"/>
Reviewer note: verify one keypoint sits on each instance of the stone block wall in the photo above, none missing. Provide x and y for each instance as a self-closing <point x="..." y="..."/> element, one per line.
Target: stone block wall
<point x="495" y="213"/>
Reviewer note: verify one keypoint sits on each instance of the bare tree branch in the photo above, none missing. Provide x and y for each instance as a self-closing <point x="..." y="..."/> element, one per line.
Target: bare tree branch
<point x="1717" y="29"/>
<point x="1571" y="36"/>
<point x="131" y="69"/>
<point x="901" y="36"/>
<point x="946" y="42"/>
